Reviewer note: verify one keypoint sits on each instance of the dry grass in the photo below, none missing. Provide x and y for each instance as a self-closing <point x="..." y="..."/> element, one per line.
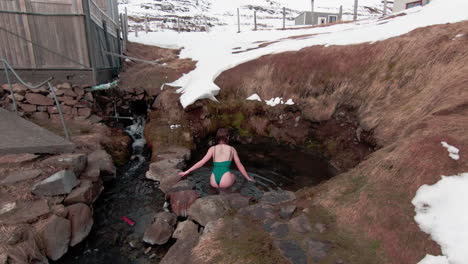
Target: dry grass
<point x="411" y="91"/>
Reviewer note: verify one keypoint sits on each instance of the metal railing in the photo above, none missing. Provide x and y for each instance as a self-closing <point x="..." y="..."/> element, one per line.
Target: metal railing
<point x="7" y="67"/>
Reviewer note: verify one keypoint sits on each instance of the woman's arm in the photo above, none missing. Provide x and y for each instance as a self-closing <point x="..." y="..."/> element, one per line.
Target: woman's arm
<point x="199" y="164"/>
<point x="240" y="166"/>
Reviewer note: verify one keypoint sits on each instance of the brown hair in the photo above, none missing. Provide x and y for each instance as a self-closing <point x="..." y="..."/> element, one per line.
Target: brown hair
<point x="222" y="135"/>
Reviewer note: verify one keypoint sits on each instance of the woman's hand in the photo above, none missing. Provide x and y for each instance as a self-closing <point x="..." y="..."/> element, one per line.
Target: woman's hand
<point x="184" y="173"/>
<point x="251" y="179"/>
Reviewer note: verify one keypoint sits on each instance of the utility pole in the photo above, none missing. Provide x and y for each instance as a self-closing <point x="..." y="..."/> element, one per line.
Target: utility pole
<point x="146" y="24"/>
<point x="238" y="20"/>
<point x="284" y="17"/>
<point x="312" y="6"/>
<point x="255" y="19"/>
<point x="355" y="9"/>
<point x="341" y="13"/>
<point x="385" y="8"/>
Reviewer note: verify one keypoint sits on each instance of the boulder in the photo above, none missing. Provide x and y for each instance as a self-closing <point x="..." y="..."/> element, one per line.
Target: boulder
<point x="185" y="229"/>
<point x="41" y="108"/>
<point x="16" y="159"/>
<point x="60" y="210"/>
<point x="3" y="258"/>
<point x="61" y="182"/>
<point x="22" y="211"/>
<point x="237" y="200"/>
<point x="176" y="153"/>
<point x="259" y="212"/>
<point x="28" y="108"/>
<point x="87" y="193"/>
<point x="75" y="162"/>
<point x="159" y="232"/>
<point x="99" y="164"/>
<point x="20" y="176"/>
<point x="291" y="251"/>
<point x="18" y="97"/>
<point x="317" y="250"/>
<point x="53" y="110"/>
<point x="85" y="112"/>
<point x="79" y="90"/>
<point x="164" y="168"/>
<point x="287" y="211"/>
<point x="81" y="219"/>
<point x="300" y="224"/>
<point x="13" y="234"/>
<point x="278" y="197"/>
<point x="181" y="251"/>
<point x="70" y="102"/>
<point x="70" y="93"/>
<point x="41" y="116"/>
<point x="209" y="208"/>
<point x="182" y="200"/>
<point x="89" y="97"/>
<point x="277" y="230"/>
<point x="38" y="99"/>
<point x="94" y="119"/>
<point x="55" y="235"/>
<point x="19" y="88"/>
<point x="64" y="86"/>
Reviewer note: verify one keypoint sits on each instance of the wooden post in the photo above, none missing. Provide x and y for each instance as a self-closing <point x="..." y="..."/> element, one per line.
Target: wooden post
<point x="385" y="8"/>
<point x="178" y="24"/>
<point x="284" y="17"/>
<point x="27" y="31"/>
<point x="89" y="39"/>
<point x="126" y="25"/>
<point x="255" y="19"/>
<point x="136" y="31"/>
<point x="238" y="20"/>
<point x="355" y="9"/>
<point x="146" y="24"/>
<point x="341" y="13"/>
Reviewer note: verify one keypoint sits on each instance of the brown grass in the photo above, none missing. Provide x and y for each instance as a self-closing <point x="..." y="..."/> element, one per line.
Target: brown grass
<point x="411" y="91"/>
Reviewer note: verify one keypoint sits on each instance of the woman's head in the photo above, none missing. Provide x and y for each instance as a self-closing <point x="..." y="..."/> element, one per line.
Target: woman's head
<point x="222" y="135"/>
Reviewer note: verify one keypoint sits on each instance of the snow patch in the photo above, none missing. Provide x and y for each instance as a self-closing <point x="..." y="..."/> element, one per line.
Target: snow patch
<point x="289" y="102"/>
<point x="453" y="151"/>
<point x="279" y="100"/>
<point x="254" y="97"/>
<point x="441" y="212"/>
<point x="174" y="126"/>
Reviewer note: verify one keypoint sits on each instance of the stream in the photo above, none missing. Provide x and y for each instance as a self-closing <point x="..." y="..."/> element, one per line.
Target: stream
<point x="131" y="195"/>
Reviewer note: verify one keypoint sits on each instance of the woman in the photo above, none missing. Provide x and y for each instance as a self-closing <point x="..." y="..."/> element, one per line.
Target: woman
<point x="222" y="155"/>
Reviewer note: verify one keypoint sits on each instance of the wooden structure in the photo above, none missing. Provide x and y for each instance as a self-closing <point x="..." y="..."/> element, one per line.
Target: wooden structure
<point x="400" y="5"/>
<point x="65" y="39"/>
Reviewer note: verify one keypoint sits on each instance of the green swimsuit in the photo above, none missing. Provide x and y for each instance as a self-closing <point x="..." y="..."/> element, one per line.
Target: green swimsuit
<point x="220" y="168"/>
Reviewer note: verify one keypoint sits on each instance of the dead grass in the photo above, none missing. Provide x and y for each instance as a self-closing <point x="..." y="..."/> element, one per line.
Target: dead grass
<point x="411" y="91"/>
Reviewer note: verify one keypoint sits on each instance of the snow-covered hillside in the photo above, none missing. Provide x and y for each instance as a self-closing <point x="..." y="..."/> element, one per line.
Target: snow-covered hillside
<point x="197" y="14"/>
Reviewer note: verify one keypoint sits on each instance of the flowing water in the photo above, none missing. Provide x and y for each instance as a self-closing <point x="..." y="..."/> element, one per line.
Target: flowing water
<point x="130" y="195"/>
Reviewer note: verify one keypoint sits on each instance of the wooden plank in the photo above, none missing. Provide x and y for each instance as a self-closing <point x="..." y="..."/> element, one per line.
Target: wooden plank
<point x="27" y="34"/>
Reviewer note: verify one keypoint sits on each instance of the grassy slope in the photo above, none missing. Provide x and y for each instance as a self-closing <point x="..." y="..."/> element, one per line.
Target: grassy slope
<point x="411" y="91"/>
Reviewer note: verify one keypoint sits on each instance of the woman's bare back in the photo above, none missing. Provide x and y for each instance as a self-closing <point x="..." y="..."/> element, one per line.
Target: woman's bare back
<point x="222" y="152"/>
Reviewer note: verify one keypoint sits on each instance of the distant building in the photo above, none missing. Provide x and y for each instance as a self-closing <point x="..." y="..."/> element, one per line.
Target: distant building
<point x="317" y="18"/>
<point x="400" y="5"/>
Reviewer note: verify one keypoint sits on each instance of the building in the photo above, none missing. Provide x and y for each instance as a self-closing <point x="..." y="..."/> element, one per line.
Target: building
<point x="400" y="5"/>
<point x="65" y="39"/>
<point x="317" y="18"/>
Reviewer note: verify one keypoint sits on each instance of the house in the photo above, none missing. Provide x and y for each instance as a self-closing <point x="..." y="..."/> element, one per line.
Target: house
<point x="317" y="18"/>
<point x="69" y="40"/>
<point x="400" y="5"/>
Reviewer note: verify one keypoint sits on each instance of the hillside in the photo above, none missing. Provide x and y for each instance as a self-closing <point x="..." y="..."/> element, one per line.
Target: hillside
<point x="196" y="14"/>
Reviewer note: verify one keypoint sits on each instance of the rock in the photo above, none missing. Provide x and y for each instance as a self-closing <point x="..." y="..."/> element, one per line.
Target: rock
<point x="237" y="200"/>
<point x="94" y="119"/>
<point x="38" y="99"/>
<point x="60" y="210"/>
<point x="16" y="159"/>
<point x="18" y="97"/>
<point x="42" y="116"/>
<point x="20" y="176"/>
<point x="277" y="229"/>
<point x="317" y="250"/>
<point x="55" y="235"/>
<point x="278" y="197"/>
<point x="64" y="86"/>
<point x="79" y="90"/>
<point x="287" y="211"/>
<point x="176" y="153"/>
<point x="89" y="97"/>
<point x="42" y="108"/>
<point x="75" y="162"/>
<point x="181" y="251"/>
<point x="61" y="182"/>
<point x="3" y="258"/>
<point x="70" y="102"/>
<point x="70" y="93"/>
<point x="164" y="168"/>
<point x="185" y="229"/>
<point x="159" y="232"/>
<point x="300" y="224"/>
<point x="85" y="112"/>
<point x="12" y="235"/>
<point x="99" y="164"/>
<point x="259" y="211"/>
<point x="81" y="222"/>
<point x="22" y="211"/>
<point x="320" y="227"/>
<point x="52" y="110"/>
<point x="291" y="251"/>
<point x="209" y="208"/>
<point x="19" y="88"/>
<point x="86" y="193"/>
<point x="28" y="108"/>
<point x="182" y="200"/>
